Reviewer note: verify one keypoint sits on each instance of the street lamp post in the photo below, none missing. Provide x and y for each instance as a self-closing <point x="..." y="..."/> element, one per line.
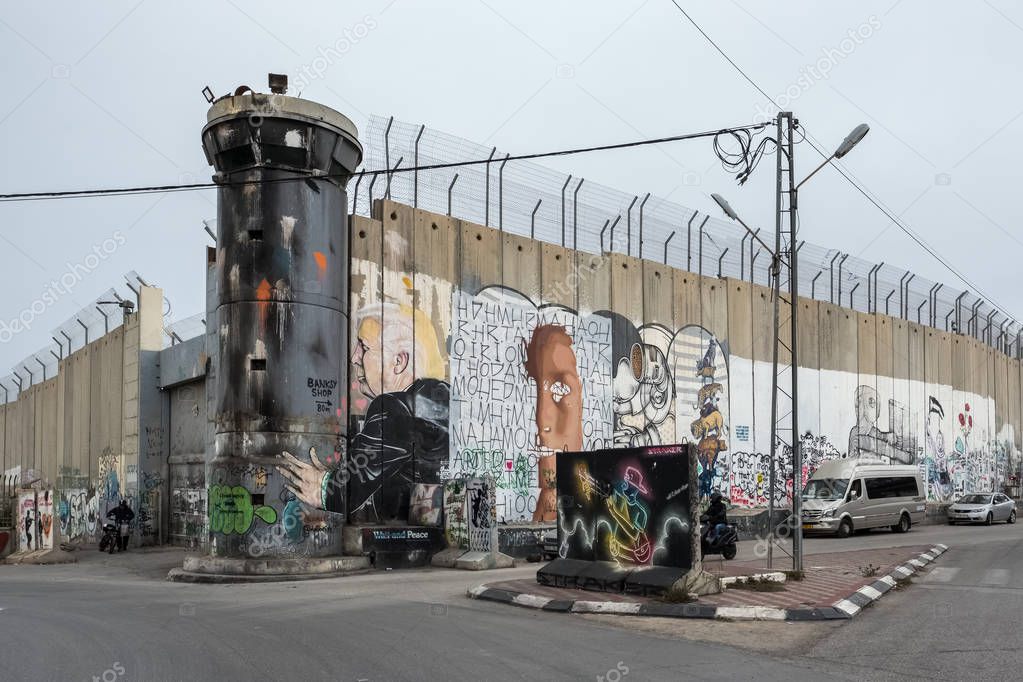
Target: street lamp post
<point x="851" y="140"/>
<point x="785" y="174"/>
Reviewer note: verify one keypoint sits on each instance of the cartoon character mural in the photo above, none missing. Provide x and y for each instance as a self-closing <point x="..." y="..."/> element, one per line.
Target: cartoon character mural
<point x="644" y="389"/>
<point x="670" y="386"/>
<point x="867" y="441"/>
<point x="402" y="439"/>
<point x="709" y="428"/>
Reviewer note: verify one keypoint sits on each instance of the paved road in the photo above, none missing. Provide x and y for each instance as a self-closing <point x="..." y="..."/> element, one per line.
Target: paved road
<point x="111" y="614"/>
<point x="103" y="615"/>
<point x="959" y="621"/>
<point x="750" y="550"/>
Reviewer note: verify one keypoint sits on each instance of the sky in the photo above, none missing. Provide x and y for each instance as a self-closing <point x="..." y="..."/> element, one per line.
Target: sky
<point x="109" y="95"/>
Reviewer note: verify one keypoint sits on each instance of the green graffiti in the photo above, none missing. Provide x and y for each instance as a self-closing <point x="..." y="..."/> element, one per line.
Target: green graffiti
<point x="231" y="510"/>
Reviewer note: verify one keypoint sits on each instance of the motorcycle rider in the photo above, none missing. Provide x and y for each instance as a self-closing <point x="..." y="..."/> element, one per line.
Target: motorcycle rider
<point x="122" y="516"/>
<point x="717" y="516"/>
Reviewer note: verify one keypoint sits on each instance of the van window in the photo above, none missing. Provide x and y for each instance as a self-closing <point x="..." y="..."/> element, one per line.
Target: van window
<point x="825" y="488"/>
<point x="891" y="486"/>
<point x="856" y="487"/>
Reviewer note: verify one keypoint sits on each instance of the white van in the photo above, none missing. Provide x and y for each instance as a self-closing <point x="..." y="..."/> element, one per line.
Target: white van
<point x="847" y="495"/>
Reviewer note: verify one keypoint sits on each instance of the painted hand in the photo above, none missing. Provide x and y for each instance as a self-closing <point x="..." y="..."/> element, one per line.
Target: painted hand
<point x="304" y="479"/>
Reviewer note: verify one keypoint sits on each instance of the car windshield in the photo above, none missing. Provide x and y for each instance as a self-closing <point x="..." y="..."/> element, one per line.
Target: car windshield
<point x="825" y="488"/>
<point x="974" y="499"/>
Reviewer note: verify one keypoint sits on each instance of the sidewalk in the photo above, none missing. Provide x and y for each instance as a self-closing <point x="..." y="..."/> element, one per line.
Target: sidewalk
<point x="835" y="585"/>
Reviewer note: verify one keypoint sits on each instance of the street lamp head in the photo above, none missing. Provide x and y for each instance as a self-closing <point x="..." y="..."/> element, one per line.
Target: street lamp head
<point x="723" y="203"/>
<point x="851" y="140"/>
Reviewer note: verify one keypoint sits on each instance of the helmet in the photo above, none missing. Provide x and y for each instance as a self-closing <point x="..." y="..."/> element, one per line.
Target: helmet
<point x="715" y="496"/>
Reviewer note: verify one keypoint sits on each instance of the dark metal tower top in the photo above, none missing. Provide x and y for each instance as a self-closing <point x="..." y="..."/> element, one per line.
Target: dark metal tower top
<point x="257" y="130"/>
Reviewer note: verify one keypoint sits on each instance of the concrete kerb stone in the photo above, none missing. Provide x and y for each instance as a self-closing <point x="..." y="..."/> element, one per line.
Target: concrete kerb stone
<point x="845" y="608"/>
<point x="205" y="569"/>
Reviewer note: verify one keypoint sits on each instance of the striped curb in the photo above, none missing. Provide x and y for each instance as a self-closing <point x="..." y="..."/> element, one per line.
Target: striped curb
<point x="868" y="594"/>
<point x="843" y="609"/>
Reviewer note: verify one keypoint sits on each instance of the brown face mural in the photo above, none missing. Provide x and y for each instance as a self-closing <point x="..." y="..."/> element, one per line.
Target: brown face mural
<point x="551" y="363"/>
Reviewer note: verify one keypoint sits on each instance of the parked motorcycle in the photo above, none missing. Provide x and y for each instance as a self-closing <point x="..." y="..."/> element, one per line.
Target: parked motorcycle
<point x="723" y="544"/>
<point x="111" y="532"/>
<point x="108" y="543"/>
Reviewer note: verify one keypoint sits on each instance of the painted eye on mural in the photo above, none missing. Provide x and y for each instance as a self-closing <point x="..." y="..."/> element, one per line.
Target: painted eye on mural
<point x="636" y="356"/>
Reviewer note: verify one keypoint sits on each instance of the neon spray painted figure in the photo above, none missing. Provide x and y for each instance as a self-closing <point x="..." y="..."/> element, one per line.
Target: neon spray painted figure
<point x="629" y="541"/>
<point x="550" y="362"/>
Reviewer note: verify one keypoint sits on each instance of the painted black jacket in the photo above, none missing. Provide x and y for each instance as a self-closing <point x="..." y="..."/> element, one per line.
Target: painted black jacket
<point x="403" y="441"/>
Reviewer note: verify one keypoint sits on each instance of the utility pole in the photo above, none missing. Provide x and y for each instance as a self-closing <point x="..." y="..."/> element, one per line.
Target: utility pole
<point x="784" y="258"/>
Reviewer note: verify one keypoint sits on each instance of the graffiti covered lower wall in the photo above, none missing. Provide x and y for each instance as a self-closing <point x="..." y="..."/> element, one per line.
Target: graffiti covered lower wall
<point x="478" y="353"/>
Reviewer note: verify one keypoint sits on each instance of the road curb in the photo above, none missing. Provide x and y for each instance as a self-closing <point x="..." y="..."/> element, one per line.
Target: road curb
<point x="843" y="609"/>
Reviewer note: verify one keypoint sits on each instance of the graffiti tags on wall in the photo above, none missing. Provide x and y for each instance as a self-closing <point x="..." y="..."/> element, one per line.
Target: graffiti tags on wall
<point x="232" y="510"/>
<point x="456" y="529"/>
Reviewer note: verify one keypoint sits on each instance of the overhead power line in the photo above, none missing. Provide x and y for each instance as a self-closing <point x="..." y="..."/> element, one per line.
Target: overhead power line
<point x="855" y="182"/>
<point x="154" y="189"/>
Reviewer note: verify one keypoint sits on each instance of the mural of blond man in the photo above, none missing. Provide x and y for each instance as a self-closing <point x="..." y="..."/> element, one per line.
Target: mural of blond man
<point x="403" y="438"/>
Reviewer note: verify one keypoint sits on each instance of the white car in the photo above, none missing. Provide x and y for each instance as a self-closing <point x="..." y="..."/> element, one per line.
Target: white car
<point x="983" y="508"/>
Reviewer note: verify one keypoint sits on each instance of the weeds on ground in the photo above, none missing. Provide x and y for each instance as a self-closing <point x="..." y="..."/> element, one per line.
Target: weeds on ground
<point x="673" y="595"/>
<point x="794" y="575"/>
<point x="757" y="585"/>
<point x="869" y="571"/>
<point x="903" y="583"/>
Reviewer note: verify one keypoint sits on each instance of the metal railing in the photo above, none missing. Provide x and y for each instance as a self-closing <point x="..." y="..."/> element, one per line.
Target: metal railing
<point x="529" y="199"/>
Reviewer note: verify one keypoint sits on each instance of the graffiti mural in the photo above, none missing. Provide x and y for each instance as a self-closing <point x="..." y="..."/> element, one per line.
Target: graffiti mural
<point x="403" y="437"/>
<point x="45" y="514"/>
<point x="456" y="529"/>
<point x="866" y="441"/>
<point x="427" y="502"/>
<point x="750" y="472"/>
<point x="188" y="514"/>
<point x="936" y="461"/>
<point x="670" y="386"/>
<point x="73" y="506"/>
<point x="526" y="383"/>
<point x="626" y="505"/>
<point x="28" y="534"/>
<point x="231" y="510"/>
<point x="481" y="510"/>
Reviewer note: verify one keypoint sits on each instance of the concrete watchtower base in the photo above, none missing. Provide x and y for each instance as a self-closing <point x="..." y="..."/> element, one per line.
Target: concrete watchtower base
<point x="201" y="568"/>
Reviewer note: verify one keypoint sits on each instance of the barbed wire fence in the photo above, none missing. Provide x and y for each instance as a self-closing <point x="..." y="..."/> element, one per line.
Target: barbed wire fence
<point x="528" y="199"/>
<point x="99" y="317"/>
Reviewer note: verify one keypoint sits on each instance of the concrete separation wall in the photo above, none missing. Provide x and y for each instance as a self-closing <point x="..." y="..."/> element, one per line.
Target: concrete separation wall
<point x="623" y="351"/>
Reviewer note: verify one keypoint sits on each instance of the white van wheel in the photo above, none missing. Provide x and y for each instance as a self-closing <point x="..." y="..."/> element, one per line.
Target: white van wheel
<point x="845" y="528"/>
<point x="903" y="525"/>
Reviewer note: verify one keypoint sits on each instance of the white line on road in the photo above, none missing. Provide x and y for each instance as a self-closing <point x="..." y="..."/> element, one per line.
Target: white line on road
<point x="940" y="574"/>
<point x="995" y="576"/>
